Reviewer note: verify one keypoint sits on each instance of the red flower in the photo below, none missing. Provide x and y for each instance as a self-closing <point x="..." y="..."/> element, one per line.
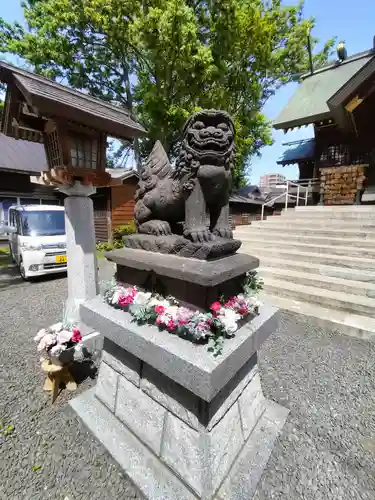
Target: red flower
<point x="182" y="322"/>
<point x="171" y="325"/>
<point x="76" y="335"/>
<point x="243" y="310"/>
<point x="159" y="309"/>
<point x="125" y="300"/>
<point x="133" y="292"/>
<point x="215" y="307"/>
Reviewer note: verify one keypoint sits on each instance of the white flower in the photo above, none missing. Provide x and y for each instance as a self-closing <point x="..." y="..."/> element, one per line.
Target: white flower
<point x="64" y="336"/>
<point x="57" y="349"/>
<point x="229" y="319"/>
<point x="172" y="311"/>
<point x="47" y="341"/>
<point x="142" y="298"/>
<point x="115" y="296"/>
<point x="157" y="302"/>
<point x="40" y="335"/>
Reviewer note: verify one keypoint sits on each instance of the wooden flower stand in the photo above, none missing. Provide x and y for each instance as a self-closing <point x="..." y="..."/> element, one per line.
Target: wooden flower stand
<point x="55" y="376"/>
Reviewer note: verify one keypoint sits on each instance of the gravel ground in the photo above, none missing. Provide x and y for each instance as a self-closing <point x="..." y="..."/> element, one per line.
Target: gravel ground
<point x="326" y="451"/>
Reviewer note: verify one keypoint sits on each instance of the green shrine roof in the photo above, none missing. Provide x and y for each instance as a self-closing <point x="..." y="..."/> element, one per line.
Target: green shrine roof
<point x="309" y="102"/>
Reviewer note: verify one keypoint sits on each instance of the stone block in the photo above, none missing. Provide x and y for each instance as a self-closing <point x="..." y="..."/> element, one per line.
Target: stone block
<point x="172" y="396"/>
<point x="141" y="414"/>
<point x="122" y="361"/>
<point x="154" y="480"/>
<point x="249" y="467"/>
<point x="252" y="405"/>
<point x="106" y="386"/>
<point x="192" y="282"/>
<point x="231" y="392"/>
<point x="205" y="273"/>
<point x="202" y="459"/>
<point x="188" y="364"/>
<point x="181" y="451"/>
<point x="226" y="441"/>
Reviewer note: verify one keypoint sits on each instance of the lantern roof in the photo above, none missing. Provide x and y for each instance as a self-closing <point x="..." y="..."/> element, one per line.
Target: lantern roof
<point x="49" y="99"/>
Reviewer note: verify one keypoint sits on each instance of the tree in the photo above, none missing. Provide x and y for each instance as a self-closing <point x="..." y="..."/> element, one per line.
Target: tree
<point x="162" y="59"/>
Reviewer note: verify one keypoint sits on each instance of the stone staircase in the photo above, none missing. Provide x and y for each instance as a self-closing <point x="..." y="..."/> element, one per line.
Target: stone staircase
<point x="319" y="261"/>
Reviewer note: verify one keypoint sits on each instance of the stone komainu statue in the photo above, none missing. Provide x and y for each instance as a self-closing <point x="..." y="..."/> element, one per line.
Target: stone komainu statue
<point x="196" y="192"/>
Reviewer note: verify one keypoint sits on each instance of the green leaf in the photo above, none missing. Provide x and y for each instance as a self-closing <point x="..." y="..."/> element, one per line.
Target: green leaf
<point x="34" y="468"/>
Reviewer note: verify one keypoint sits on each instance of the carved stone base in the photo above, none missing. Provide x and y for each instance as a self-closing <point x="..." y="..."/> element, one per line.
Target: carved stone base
<point x="178" y="245"/>
<point x="195" y="283"/>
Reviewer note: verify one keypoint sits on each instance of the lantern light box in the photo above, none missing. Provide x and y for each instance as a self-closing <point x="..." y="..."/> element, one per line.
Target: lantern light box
<point x="73" y="126"/>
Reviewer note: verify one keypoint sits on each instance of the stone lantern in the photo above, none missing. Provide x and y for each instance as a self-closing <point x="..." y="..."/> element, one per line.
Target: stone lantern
<point x="73" y="128"/>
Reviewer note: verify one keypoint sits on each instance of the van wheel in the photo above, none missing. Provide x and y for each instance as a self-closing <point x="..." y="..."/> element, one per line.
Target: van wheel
<point x="22" y="271"/>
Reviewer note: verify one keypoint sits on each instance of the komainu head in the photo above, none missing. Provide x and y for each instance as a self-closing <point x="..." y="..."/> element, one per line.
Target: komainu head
<point x="208" y="137"/>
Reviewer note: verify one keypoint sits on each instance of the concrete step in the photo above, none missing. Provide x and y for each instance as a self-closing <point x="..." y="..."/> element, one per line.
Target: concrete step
<point x="346" y="323"/>
<point x="328" y="216"/>
<point x="304" y="230"/>
<point x="315" y="258"/>
<point x="325" y="298"/>
<point x="275" y="236"/>
<point x="362" y="288"/>
<point x="286" y="243"/>
<point x="281" y="222"/>
<point x="346" y="273"/>
<point x="333" y="208"/>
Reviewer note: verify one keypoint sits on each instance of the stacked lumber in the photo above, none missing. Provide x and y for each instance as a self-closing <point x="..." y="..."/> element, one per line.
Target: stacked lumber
<point x="339" y="185"/>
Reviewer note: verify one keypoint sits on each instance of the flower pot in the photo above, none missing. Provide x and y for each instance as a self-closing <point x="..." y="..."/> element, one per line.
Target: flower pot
<point x="65" y="358"/>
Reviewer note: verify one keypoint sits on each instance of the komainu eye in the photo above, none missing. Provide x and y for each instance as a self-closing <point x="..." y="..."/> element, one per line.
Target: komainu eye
<point x="223" y="126"/>
<point x="198" y="125"/>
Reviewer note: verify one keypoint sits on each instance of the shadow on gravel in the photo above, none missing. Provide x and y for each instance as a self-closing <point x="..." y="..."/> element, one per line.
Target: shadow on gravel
<point x="10" y="276"/>
<point x="83" y="371"/>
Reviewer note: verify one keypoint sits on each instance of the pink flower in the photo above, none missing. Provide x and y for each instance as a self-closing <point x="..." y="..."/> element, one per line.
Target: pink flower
<point x="159" y="321"/>
<point x="171" y="325"/>
<point x="215" y="307"/>
<point x="76" y="335"/>
<point x="159" y="309"/>
<point x="182" y="322"/>
<point x="133" y="292"/>
<point x="125" y="300"/>
<point x="243" y="310"/>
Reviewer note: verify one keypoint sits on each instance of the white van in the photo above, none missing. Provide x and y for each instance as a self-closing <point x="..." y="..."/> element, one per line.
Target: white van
<point x="37" y="239"/>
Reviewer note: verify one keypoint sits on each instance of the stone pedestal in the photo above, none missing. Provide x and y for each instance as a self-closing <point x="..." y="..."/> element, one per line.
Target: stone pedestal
<point x="182" y="423"/>
<point x="80" y="246"/>
<point x="195" y="283"/>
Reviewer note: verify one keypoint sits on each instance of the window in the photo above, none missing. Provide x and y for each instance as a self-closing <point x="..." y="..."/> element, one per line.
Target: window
<point x="5" y="203"/>
<point x="84" y="152"/>
<point x="29" y="201"/>
<point x="43" y="223"/>
<point x="53" y="149"/>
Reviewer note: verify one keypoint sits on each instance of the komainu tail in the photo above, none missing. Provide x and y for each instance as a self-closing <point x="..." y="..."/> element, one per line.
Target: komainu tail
<point x="157" y="167"/>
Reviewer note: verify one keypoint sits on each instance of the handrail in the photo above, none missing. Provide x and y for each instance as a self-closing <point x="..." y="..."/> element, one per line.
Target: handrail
<point x="287" y="195"/>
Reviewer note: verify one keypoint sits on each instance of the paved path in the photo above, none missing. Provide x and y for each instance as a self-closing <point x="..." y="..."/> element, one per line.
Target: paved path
<point x="326" y="452"/>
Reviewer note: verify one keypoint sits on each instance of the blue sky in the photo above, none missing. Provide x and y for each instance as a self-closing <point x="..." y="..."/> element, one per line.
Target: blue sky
<point x="352" y="21"/>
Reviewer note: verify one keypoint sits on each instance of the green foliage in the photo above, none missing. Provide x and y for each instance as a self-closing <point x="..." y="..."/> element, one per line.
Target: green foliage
<point x="104" y="247"/>
<point x="252" y="283"/>
<point x="163" y="59"/>
<point x="122" y="231"/>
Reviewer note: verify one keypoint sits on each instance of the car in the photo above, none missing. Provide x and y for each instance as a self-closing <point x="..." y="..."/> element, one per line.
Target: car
<point x="37" y="239"/>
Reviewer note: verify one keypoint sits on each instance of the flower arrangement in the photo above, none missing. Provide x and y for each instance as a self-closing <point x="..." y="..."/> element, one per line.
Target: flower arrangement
<point x="55" y="340"/>
<point x="220" y="322"/>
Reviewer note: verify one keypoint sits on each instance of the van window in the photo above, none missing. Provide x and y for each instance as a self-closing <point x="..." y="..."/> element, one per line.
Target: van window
<point x="43" y="223"/>
<point x="5" y="203"/>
